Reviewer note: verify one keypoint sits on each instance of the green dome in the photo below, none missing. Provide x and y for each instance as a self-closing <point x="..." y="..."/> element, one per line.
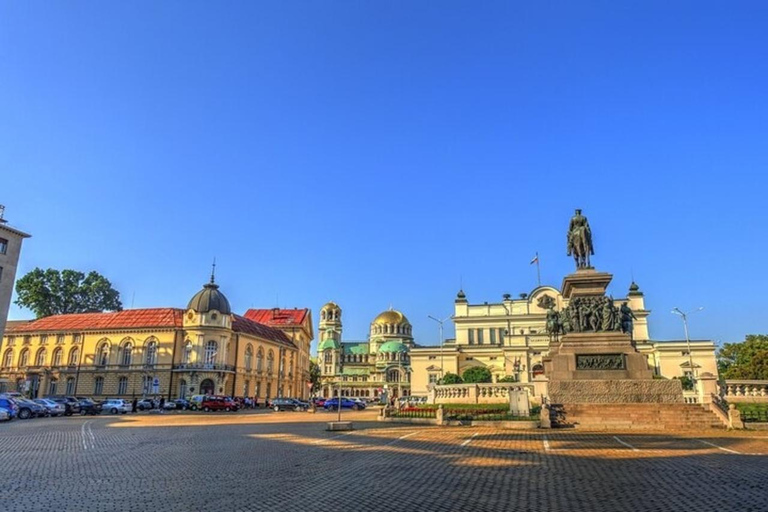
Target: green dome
<point x="393" y="346"/>
<point x="328" y="344"/>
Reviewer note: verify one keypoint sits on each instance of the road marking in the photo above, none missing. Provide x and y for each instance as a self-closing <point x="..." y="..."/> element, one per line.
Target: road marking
<point x="401" y="437"/>
<point x="626" y="444"/>
<point x="83" y="436"/>
<point x="719" y="447"/>
<point x="334" y="437"/>
<point x="546" y="444"/>
<point x="93" y="438"/>
<point x="465" y="443"/>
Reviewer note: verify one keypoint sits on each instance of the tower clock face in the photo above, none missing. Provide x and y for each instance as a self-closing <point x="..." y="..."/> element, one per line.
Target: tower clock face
<point x="190" y="315"/>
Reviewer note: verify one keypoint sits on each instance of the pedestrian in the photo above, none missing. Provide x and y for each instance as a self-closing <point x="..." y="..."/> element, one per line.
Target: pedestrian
<point x="133" y="405"/>
<point x="162" y="404"/>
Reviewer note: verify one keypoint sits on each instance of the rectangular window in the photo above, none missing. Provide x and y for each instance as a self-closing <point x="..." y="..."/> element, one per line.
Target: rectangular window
<point x="501" y="336"/>
<point x="43" y="339"/>
<point x="98" y="386"/>
<point x="493" y="336"/>
<point x="75" y="339"/>
<point x="480" y="336"/>
<point x="269" y="389"/>
<point x="1" y="273"/>
<point x="59" y="339"/>
<point x="471" y="335"/>
<point x="3" y="246"/>
<point x="71" y="386"/>
<point x="433" y="378"/>
<point x="52" y="385"/>
<point x="122" y="386"/>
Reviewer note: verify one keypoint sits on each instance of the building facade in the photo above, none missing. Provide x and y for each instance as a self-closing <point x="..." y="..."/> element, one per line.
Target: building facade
<point x="510" y="339"/>
<point x="372" y="368"/>
<point x="10" y="250"/>
<point x="171" y="352"/>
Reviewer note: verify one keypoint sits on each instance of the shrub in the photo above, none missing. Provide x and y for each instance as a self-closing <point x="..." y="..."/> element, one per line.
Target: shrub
<point x="451" y="378"/>
<point x="477" y="374"/>
<point x="507" y="378"/>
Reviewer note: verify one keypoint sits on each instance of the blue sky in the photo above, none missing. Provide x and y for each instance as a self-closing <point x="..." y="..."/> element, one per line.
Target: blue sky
<point x="377" y="153"/>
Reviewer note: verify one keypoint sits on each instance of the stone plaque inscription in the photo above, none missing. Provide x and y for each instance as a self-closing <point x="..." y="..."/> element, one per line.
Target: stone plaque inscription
<point x="600" y="362"/>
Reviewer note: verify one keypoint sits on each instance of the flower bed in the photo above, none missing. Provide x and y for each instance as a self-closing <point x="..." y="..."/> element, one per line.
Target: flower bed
<point x="466" y="412"/>
<point x="414" y="412"/>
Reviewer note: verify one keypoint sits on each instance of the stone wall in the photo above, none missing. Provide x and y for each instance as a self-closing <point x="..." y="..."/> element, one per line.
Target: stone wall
<point x="615" y="391"/>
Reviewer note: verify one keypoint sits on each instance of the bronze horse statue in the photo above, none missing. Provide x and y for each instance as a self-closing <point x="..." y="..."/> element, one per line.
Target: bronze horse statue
<point x="580" y="240"/>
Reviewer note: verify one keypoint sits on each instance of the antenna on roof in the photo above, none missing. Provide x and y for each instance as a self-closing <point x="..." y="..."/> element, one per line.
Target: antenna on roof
<point x="213" y="270"/>
<point x="2" y="214"/>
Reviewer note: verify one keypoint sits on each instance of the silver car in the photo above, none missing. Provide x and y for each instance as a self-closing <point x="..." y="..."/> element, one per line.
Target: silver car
<point x="53" y="408"/>
<point x="4" y="415"/>
<point x="115" y="405"/>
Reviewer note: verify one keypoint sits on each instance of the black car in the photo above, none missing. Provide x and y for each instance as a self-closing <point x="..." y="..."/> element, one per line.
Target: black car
<point x="288" y="404"/>
<point x="88" y="406"/>
<point x="71" y="404"/>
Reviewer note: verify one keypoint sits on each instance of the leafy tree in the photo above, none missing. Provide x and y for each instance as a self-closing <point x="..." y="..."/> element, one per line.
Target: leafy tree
<point x="451" y="378"/>
<point x="477" y="374"/>
<point x="508" y="378"/>
<point x="50" y="292"/>
<point x="686" y="382"/>
<point x="314" y="376"/>
<point x="745" y="360"/>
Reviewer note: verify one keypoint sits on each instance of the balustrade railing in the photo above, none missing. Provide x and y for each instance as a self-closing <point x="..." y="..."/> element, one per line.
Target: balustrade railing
<point x="477" y="393"/>
<point x="745" y="390"/>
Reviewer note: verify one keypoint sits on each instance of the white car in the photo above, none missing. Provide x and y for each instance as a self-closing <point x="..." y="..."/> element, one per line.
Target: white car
<point x="115" y="405"/>
<point x="53" y="408"/>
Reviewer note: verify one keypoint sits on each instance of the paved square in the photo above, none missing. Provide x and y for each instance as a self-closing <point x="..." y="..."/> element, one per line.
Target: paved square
<point x="286" y="461"/>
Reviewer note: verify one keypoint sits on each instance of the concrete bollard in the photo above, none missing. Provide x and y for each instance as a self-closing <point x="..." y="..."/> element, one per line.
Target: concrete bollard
<point x="545" y="420"/>
<point x="440" y="414"/>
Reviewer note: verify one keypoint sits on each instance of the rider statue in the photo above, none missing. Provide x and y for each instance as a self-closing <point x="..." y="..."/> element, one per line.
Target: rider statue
<point x="580" y="240"/>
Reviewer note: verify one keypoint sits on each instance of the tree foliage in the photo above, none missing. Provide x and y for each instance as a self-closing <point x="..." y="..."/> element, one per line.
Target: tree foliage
<point x="314" y="376"/>
<point x="451" y="378"/>
<point x="745" y="360"/>
<point x="507" y="378"/>
<point x="50" y="292"/>
<point x="477" y="374"/>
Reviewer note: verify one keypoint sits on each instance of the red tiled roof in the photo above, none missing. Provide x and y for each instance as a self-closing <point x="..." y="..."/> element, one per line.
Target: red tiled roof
<point x="247" y="326"/>
<point x="277" y="317"/>
<point x="128" y="319"/>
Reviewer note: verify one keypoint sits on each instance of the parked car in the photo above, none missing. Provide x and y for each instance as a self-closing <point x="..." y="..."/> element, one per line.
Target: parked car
<point x="218" y="403"/>
<point x="53" y="408"/>
<point x="29" y="409"/>
<point x="145" y="404"/>
<point x="8" y="404"/>
<point x="5" y="415"/>
<point x="180" y="404"/>
<point x="319" y="401"/>
<point x="288" y="404"/>
<point x="346" y="403"/>
<point x="116" y="405"/>
<point x="71" y="404"/>
<point x="88" y="406"/>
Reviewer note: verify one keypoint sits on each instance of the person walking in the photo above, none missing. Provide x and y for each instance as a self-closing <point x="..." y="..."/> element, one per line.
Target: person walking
<point x="133" y="405"/>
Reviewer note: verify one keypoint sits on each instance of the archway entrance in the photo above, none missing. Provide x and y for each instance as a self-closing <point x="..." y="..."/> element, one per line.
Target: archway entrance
<point x="207" y="387"/>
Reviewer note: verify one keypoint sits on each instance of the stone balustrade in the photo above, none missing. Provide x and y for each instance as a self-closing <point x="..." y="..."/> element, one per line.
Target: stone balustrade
<point x="498" y="393"/>
<point x="745" y="390"/>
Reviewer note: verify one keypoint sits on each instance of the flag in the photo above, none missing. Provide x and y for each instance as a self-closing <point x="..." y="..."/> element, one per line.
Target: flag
<point x="535" y="259"/>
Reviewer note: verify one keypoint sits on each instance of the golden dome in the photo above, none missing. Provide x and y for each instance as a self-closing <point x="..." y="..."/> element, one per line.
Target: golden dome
<point x="391" y="317"/>
<point x="331" y="305"/>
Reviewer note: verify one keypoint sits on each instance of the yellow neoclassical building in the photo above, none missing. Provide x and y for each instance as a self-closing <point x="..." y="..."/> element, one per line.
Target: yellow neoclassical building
<point x="171" y="352"/>
<point x="510" y="339"/>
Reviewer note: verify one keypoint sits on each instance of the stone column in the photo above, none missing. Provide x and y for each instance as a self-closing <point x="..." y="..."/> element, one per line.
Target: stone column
<point x="440" y="415"/>
<point x="706" y="386"/>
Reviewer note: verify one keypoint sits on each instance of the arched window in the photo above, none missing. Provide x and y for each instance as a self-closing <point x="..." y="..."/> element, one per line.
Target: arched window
<point x="328" y="356"/>
<point x="248" y="357"/>
<point x="147" y="384"/>
<point x="57" y="354"/>
<point x="24" y="358"/>
<point x="8" y="358"/>
<point x="150" y="356"/>
<point x="187" y="355"/>
<point x="270" y="361"/>
<point x="74" y="356"/>
<point x="40" y="357"/>
<point x="98" y="385"/>
<point x="210" y="352"/>
<point x="127" y="354"/>
<point x="393" y="376"/>
<point x="322" y="315"/>
<point x="102" y="355"/>
<point x="260" y="360"/>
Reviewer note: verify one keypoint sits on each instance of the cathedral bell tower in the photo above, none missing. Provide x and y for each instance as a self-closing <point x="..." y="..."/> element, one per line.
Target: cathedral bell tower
<point x="329" y="348"/>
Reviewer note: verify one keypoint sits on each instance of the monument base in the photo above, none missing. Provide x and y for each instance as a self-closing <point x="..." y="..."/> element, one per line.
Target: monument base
<point x="615" y="391"/>
<point x="596" y="356"/>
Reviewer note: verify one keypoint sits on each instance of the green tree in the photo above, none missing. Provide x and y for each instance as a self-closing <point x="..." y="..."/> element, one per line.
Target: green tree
<point x="50" y="292"/>
<point x="451" y="378"/>
<point x="477" y="374"/>
<point x="507" y="378"/>
<point x="314" y="376"/>
<point x="745" y="360"/>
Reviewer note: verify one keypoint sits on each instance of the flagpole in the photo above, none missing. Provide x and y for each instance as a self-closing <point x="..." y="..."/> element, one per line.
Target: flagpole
<point x="538" y="269"/>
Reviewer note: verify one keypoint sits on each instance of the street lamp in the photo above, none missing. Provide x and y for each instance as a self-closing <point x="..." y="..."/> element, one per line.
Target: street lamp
<point x="442" y="358"/>
<point x="684" y="316"/>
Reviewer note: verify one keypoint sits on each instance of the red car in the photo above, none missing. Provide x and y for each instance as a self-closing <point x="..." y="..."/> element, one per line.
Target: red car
<point x="319" y="402"/>
<point x="218" y="403"/>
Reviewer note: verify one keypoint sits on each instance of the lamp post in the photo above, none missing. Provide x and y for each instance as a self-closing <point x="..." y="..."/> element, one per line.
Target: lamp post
<point x="442" y="357"/>
<point x="684" y="316"/>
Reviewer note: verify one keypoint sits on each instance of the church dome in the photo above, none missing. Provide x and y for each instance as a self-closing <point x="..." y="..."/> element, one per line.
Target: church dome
<point x="393" y="346"/>
<point x="389" y="317"/>
<point x="210" y="298"/>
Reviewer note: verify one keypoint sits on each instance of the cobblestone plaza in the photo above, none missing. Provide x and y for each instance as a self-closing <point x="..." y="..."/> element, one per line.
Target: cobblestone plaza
<point x="287" y="461"/>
